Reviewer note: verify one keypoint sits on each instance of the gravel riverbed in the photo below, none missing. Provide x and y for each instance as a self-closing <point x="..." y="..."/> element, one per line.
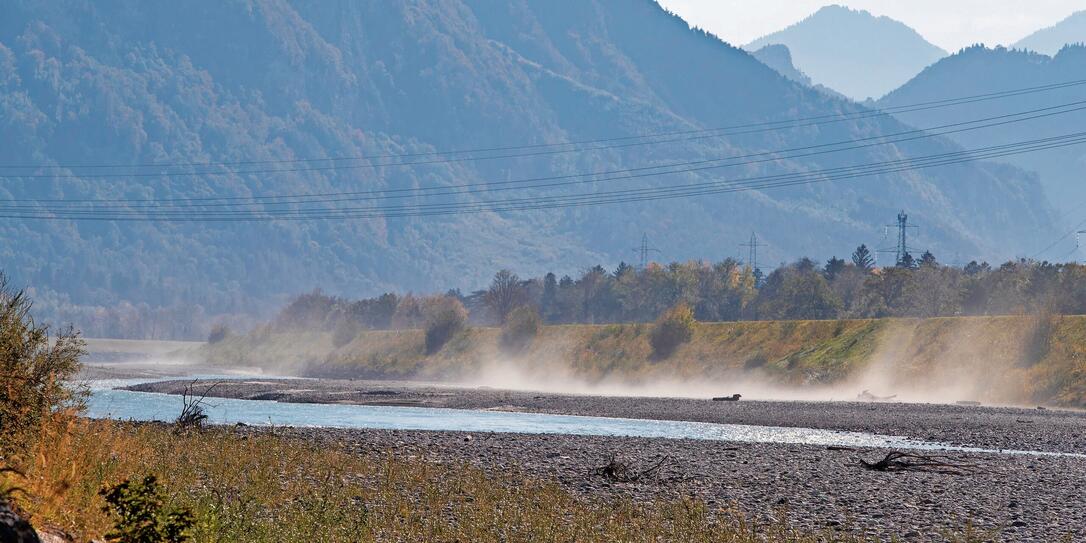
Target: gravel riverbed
<point x="1015" y="497"/>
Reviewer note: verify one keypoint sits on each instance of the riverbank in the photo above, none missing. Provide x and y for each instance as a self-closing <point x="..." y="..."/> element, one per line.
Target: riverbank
<point x="248" y="483"/>
<point x="255" y="484"/>
<point x="1053" y="430"/>
<point x="1023" y="360"/>
<point x="818" y="490"/>
<point x="1006" y="497"/>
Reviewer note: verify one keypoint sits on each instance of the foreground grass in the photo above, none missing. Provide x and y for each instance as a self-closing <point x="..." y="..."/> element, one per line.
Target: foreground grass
<point x="261" y="487"/>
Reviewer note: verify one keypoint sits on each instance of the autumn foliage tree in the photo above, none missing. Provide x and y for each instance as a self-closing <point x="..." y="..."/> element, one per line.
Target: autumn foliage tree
<point x="728" y="291"/>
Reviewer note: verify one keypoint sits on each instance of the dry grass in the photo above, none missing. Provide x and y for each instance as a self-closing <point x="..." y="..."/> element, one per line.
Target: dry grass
<point x="261" y="487"/>
<point x="1061" y="373"/>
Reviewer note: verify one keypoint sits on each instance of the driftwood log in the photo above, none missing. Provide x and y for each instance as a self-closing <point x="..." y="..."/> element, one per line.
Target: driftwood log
<point x="900" y="461"/>
<point x="867" y="396"/>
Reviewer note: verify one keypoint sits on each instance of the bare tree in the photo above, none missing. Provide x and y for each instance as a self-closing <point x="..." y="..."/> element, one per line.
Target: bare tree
<point x="505" y="294"/>
<point x="192" y="406"/>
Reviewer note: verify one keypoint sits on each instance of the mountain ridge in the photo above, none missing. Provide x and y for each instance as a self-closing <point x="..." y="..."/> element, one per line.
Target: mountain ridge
<point x="1050" y="40"/>
<point x="978" y="67"/>
<point x="272" y="80"/>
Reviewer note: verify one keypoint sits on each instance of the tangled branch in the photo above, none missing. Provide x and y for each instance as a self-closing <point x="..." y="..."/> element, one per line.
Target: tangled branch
<point x="899" y="461"/>
<point x="621" y="472"/>
<point x="192" y="406"/>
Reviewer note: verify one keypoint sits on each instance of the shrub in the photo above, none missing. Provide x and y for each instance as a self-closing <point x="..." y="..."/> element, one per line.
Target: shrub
<point x="35" y="371"/>
<point x="218" y="333"/>
<point x="444" y="318"/>
<point x="141" y="516"/>
<point x="673" y="328"/>
<point x="520" y="328"/>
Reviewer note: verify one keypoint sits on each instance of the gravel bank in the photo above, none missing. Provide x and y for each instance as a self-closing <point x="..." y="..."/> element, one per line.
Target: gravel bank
<point x="1012" y="497"/>
<point x="1015" y="498"/>
<point x="976" y="426"/>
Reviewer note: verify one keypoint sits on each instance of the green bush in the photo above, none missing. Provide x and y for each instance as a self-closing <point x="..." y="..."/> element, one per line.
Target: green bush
<point x="141" y="515"/>
<point x="35" y="371"/>
<point x="520" y="329"/>
<point x="444" y="318"/>
<point x="673" y="328"/>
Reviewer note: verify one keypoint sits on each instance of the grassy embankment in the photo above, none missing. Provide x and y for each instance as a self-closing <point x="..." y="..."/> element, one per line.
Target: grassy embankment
<point x="1008" y="359"/>
<point x="261" y="487"/>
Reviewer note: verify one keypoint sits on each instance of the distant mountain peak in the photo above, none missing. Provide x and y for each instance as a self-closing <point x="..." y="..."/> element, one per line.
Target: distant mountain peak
<point x="1051" y="40"/>
<point x="835" y="9"/>
<point x="854" y="52"/>
<point x="778" y="57"/>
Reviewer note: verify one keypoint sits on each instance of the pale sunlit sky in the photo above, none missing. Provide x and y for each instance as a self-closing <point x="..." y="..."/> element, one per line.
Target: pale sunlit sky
<point x="950" y="24"/>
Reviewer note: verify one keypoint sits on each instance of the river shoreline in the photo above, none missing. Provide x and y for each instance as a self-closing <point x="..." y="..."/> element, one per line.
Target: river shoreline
<point x="1007" y="497"/>
<point x="1015" y="428"/>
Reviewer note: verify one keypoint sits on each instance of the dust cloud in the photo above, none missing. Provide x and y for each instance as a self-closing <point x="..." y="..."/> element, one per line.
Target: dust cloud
<point x="982" y="360"/>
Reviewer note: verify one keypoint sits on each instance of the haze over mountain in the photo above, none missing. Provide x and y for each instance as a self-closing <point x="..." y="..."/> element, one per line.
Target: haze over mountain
<point x="854" y="52"/>
<point x="1050" y="40"/>
<point x="131" y="83"/>
<point x="977" y="70"/>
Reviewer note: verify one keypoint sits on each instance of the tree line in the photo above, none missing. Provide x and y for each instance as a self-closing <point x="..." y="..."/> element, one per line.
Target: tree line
<point x="725" y="291"/>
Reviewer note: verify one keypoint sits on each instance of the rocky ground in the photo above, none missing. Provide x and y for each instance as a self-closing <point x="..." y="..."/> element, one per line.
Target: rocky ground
<point x="1012" y="497"/>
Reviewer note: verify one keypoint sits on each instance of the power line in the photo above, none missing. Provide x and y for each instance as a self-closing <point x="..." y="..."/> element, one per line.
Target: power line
<point x="554" y="181"/>
<point x="554" y="202"/>
<point x="604" y="143"/>
<point x="1073" y="231"/>
<point x="642" y="194"/>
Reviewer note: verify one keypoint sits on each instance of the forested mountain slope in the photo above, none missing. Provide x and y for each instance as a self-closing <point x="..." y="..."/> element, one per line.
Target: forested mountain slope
<point x="977" y="69"/>
<point x="133" y="83"/>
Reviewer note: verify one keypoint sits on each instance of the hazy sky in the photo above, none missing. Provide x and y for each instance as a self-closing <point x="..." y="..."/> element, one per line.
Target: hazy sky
<point x="950" y="24"/>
